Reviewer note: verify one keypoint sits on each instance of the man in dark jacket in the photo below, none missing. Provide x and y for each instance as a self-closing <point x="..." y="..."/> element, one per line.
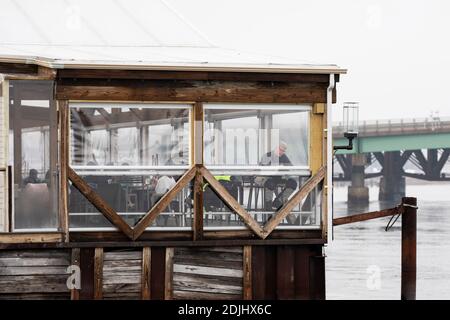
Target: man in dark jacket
<point x="277" y="157"/>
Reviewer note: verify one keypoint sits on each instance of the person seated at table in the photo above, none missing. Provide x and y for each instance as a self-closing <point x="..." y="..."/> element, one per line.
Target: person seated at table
<point x="277" y="157"/>
<point x="32" y="177"/>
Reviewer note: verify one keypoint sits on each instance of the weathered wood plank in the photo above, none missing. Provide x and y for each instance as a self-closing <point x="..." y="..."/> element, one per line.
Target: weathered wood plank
<point x="35" y="270"/>
<point x="122" y="296"/>
<point x="231" y="202"/>
<point x="367" y="216"/>
<point x="233" y="251"/>
<point x="34" y="284"/>
<point x="146" y="273"/>
<point x="150" y="216"/>
<point x="195" y="295"/>
<point x="29" y="262"/>
<point x="207" y="271"/>
<point x="99" y="203"/>
<point x="98" y="274"/>
<point x="162" y="238"/>
<point x="122" y="255"/>
<point x="39" y="253"/>
<point x="210" y="262"/>
<point x="192" y="285"/>
<point x="123" y="278"/>
<point x="211" y="279"/>
<point x="117" y="288"/>
<point x="294" y="201"/>
<point x="184" y="90"/>
<point x="31" y="237"/>
<point x="247" y="271"/>
<point x="200" y="253"/>
<point x="35" y="296"/>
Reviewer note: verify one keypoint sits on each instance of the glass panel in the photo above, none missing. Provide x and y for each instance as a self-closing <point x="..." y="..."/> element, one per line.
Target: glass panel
<point x="131" y="155"/>
<point x="256" y="136"/>
<point x="33" y="155"/>
<point x="261" y="196"/>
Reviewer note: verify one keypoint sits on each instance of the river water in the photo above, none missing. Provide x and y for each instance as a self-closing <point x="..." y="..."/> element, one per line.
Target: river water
<point x="363" y="260"/>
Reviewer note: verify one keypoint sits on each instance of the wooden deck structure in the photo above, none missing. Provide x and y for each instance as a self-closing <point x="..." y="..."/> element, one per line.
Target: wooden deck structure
<point x="133" y="261"/>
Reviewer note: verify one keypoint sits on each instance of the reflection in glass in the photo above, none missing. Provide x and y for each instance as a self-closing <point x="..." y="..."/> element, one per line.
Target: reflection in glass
<point x="243" y="136"/>
<point x="33" y="155"/>
<point x="131" y="155"/>
<point x="261" y="200"/>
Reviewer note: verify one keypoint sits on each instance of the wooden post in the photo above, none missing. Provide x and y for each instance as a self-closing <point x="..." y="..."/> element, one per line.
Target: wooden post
<point x="98" y="274"/>
<point x="247" y="270"/>
<point x="168" y="276"/>
<point x="409" y="248"/>
<point x="64" y="163"/>
<point x="146" y="274"/>
<point x="198" y="206"/>
<point x="75" y="261"/>
<point x="197" y="160"/>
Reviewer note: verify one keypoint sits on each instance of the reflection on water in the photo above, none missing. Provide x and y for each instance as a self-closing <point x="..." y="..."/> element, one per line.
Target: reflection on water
<point x="363" y="261"/>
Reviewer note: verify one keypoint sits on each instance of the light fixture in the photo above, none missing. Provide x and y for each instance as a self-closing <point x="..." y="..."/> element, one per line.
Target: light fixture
<point x="350" y="124"/>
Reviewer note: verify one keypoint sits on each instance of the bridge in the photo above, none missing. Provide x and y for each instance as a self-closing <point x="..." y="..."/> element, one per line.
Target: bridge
<point x="385" y="148"/>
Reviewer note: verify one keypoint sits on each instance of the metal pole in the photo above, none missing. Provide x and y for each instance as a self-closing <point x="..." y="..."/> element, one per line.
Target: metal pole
<point x="409" y="248"/>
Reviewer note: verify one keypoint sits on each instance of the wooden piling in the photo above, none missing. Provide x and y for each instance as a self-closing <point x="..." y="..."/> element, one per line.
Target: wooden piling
<point x="409" y="248"/>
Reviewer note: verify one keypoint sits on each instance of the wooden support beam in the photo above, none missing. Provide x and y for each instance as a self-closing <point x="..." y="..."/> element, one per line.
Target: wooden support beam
<point x="232" y="203"/>
<point x="191" y="90"/>
<point x="198" y="206"/>
<point x="146" y="273"/>
<point x="191" y="75"/>
<point x="100" y="204"/>
<point x="48" y="237"/>
<point x="63" y="111"/>
<point x="168" y="275"/>
<point x="75" y="261"/>
<point x="151" y="215"/>
<point x="316" y="137"/>
<point x="367" y="216"/>
<point x="98" y="274"/>
<point x="247" y="272"/>
<point x="18" y="68"/>
<point x="295" y="200"/>
<point x="409" y="249"/>
<point x="106" y="116"/>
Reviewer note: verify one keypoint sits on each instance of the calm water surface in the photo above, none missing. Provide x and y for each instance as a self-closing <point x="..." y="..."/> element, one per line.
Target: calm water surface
<point x="363" y="261"/>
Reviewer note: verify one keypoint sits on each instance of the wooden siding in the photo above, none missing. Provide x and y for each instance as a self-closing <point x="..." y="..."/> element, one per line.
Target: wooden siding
<point x="37" y="274"/>
<point x="122" y="274"/>
<point x="208" y="273"/>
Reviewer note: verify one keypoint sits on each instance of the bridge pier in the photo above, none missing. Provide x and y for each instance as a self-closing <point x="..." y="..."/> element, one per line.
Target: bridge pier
<point x="357" y="193"/>
<point x="392" y="183"/>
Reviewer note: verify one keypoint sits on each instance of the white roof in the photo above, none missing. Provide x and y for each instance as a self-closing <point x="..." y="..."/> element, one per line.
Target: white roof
<point x="123" y="34"/>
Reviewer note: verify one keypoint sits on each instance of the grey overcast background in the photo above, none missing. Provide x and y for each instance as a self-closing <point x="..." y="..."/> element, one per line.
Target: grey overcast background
<point x="397" y="52"/>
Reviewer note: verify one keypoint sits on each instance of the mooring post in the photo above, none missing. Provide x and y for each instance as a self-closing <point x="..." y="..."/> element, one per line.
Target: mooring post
<point x="409" y="248"/>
